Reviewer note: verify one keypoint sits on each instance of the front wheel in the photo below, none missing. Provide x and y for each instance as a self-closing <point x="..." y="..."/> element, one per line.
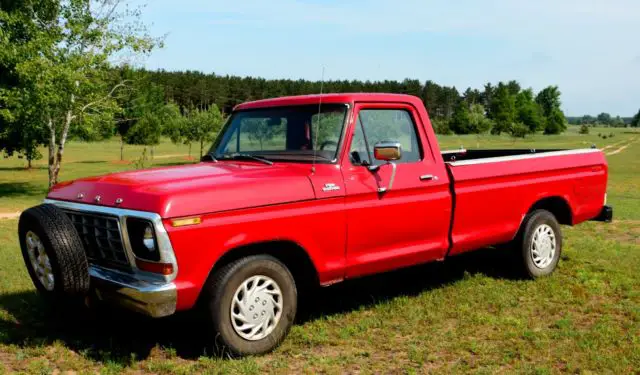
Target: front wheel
<point x="252" y="304"/>
<point x="540" y="244"/>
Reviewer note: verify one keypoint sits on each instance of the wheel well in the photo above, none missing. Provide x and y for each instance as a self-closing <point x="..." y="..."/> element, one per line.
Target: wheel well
<point x="557" y="206"/>
<point x="292" y="255"/>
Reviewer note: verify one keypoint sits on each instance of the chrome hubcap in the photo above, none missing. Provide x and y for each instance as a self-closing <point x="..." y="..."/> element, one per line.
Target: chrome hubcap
<point x="256" y="307"/>
<point x="543" y="246"/>
<point x="39" y="260"/>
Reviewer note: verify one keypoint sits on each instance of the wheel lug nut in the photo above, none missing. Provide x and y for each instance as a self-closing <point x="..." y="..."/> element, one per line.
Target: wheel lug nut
<point x="257" y="299"/>
<point x="251" y="308"/>
<point x="255" y="316"/>
<point x="262" y="313"/>
<point x="264" y="303"/>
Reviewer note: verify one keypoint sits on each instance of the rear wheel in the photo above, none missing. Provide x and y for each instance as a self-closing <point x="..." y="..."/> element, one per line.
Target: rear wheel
<point x="540" y="244"/>
<point x="252" y="303"/>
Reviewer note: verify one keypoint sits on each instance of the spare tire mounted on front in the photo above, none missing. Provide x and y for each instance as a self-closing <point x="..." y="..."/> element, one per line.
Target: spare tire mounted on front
<point x="53" y="252"/>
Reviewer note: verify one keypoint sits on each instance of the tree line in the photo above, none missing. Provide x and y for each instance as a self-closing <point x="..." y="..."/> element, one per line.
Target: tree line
<point x="605" y="119"/>
<point x="502" y="108"/>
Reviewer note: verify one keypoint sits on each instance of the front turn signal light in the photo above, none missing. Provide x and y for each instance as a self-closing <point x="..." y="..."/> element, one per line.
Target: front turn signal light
<point x="186" y="221"/>
<point x="155" y="267"/>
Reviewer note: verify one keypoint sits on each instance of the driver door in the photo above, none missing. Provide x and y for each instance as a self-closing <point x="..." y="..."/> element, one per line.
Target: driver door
<point x="408" y="223"/>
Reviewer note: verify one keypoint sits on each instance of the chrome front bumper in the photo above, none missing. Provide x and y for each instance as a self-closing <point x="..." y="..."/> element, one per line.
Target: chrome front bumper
<point x="151" y="298"/>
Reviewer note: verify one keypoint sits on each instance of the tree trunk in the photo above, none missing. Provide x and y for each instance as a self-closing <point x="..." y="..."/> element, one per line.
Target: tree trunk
<point x="29" y="165"/>
<point x="189" y="150"/>
<point x="201" y="147"/>
<point x="52" y="155"/>
<point x="63" y="140"/>
<point x="121" y="148"/>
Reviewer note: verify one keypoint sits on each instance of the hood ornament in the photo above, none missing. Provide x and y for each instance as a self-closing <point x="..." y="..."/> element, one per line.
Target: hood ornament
<point x="97" y="199"/>
<point x="80" y="196"/>
<point x="119" y="201"/>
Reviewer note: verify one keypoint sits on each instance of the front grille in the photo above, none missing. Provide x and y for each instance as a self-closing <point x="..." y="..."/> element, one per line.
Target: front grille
<point x="101" y="237"/>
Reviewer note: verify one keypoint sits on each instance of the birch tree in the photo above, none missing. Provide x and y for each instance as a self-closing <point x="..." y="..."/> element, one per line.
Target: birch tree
<point x="62" y="70"/>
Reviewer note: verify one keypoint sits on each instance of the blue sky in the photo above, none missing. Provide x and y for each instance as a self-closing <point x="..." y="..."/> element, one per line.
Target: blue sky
<point x="589" y="48"/>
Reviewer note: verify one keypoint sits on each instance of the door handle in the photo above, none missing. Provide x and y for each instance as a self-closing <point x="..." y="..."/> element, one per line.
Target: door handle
<point x="428" y="177"/>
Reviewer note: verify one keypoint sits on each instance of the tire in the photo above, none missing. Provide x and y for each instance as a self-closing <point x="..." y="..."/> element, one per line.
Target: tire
<point x="539" y="244"/>
<point x="47" y="235"/>
<point x="223" y="287"/>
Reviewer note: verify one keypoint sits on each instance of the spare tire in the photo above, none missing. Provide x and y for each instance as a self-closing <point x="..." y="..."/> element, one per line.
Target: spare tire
<point x="53" y="253"/>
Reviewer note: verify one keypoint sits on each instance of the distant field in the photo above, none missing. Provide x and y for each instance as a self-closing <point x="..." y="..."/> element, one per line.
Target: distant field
<point x="467" y="315"/>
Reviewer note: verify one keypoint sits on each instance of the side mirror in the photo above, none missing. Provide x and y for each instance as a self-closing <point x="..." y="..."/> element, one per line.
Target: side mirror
<point x="387" y="151"/>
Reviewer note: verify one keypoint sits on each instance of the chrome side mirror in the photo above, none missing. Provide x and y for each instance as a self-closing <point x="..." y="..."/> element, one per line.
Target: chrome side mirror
<point x="389" y="152"/>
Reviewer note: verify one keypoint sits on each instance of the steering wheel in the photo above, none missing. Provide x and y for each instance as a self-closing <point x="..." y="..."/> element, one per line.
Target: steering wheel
<point x="328" y="143"/>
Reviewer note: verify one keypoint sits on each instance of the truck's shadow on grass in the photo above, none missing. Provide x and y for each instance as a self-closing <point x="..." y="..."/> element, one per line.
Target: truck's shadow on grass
<point x="13" y="189"/>
<point x="122" y="337"/>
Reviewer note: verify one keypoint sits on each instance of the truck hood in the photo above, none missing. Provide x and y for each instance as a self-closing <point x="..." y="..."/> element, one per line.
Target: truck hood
<point x="192" y="189"/>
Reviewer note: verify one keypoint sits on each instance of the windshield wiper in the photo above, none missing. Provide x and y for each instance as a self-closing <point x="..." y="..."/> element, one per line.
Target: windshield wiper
<point x="239" y="155"/>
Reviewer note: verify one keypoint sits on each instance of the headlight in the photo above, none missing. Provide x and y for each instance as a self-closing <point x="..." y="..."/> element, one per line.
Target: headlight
<point x="142" y="238"/>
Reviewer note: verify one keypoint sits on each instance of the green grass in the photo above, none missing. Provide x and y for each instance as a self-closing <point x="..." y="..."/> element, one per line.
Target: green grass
<point x="469" y="314"/>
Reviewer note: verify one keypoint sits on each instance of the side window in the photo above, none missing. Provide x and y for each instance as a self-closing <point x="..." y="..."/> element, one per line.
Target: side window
<point x="385" y="125"/>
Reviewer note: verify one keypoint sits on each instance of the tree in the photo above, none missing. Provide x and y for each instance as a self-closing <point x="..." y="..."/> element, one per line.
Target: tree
<point x="604" y="118"/>
<point x="503" y="110"/>
<point x="584" y="129"/>
<point x="528" y="111"/>
<point x="148" y="129"/>
<point x="549" y="101"/>
<point x="19" y="132"/>
<point x="477" y="119"/>
<point x="142" y="101"/>
<point x="61" y="71"/>
<point x="519" y="130"/>
<point x="460" y="122"/>
<point x="556" y="123"/>
<point x="636" y="120"/>
<point x="203" y="125"/>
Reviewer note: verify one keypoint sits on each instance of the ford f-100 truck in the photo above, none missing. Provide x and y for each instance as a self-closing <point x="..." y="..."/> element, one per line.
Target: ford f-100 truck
<point x="296" y="192"/>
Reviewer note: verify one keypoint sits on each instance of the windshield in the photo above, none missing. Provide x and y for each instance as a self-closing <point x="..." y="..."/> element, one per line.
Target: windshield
<point x="296" y="133"/>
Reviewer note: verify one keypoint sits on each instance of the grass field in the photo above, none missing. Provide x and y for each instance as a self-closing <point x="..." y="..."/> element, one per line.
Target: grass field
<point x="470" y="314"/>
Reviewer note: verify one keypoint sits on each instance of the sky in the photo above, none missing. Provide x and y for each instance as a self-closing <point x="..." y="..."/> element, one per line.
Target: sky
<point x="589" y="48"/>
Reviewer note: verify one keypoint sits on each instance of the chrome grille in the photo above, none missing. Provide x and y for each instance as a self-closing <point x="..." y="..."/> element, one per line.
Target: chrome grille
<point x="102" y="238"/>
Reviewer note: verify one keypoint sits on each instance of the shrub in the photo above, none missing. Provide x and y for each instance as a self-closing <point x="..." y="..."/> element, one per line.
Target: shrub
<point x="441" y="126"/>
<point x="519" y="130"/>
<point x="584" y="129"/>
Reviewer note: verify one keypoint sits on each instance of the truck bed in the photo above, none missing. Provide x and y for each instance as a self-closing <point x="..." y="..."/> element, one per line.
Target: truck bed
<point x="493" y="189"/>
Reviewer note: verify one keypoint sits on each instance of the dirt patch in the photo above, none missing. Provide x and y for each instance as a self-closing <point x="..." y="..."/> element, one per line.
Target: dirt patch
<point x="120" y="162"/>
<point x="9" y="215"/>
<point x="170" y="156"/>
<point x="612" y="145"/>
<point x="619" y="150"/>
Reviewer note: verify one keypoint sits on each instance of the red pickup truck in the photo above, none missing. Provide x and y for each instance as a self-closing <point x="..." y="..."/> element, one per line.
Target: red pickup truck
<point x="296" y="192"/>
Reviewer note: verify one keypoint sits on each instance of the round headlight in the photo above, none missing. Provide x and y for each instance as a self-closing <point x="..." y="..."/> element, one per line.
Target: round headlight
<point x="148" y="239"/>
<point x="142" y="238"/>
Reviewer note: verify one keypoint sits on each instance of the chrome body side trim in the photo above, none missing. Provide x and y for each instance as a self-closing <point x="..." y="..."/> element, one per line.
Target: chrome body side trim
<point x="164" y="244"/>
<point x="153" y="299"/>
<point x="453" y="151"/>
<point x="523" y="157"/>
